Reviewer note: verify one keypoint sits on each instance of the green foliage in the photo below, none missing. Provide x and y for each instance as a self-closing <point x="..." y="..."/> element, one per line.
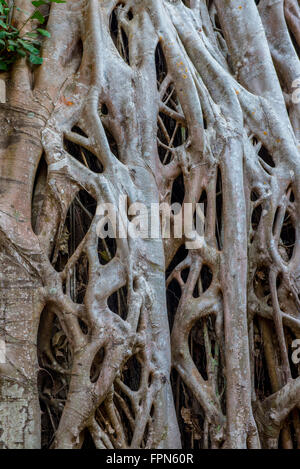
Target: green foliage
<point x="14" y="44"/>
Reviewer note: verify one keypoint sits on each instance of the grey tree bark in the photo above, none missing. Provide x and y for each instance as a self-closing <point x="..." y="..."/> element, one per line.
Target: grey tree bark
<point x="142" y="343"/>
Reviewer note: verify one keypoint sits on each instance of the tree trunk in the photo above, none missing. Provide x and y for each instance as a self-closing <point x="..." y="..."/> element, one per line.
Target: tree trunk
<point x="149" y="341"/>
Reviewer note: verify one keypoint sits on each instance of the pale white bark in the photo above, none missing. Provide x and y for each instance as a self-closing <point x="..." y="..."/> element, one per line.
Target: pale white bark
<point x="218" y="87"/>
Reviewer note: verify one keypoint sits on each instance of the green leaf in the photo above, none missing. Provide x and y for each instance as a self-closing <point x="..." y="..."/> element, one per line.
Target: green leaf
<point x="26" y="45"/>
<point x="36" y="60"/>
<point x="3" y="43"/>
<point x="38" y="3"/>
<point x="33" y="42"/>
<point x="38" y="16"/>
<point x="44" y="32"/>
<point x="3" y="34"/>
<point x="3" y="24"/>
<point x="3" y="66"/>
<point x="32" y="34"/>
<point x="21" y="52"/>
<point x="11" y="46"/>
<point x="57" y="1"/>
<point x="36" y="43"/>
<point x="183" y="134"/>
<point x="104" y="256"/>
<point x="27" y="13"/>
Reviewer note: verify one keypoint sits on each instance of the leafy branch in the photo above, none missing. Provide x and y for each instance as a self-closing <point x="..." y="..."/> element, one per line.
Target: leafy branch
<point x="13" y="44"/>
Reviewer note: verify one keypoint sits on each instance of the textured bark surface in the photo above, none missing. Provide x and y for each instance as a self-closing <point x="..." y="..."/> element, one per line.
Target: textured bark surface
<point x="143" y="343"/>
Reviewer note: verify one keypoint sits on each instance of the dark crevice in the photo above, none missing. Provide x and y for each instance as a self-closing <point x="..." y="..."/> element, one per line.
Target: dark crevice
<point x="197" y="348"/>
<point x="254" y="196"/>
<point x="262" y="380"/>
<point x="78" y="221"/>
<point x="132" y="372"/>
<point x="261" y="282"/>
<point x="219" y="210"/>
<point x="178" y="190"/>
<point x="96" y="365"/>
<point x="112" y="143"/>
<point x="169" y="134"/>
<point x="104" y="109"/>
<point x="204" y="281"/>
<point x="173" y="298"/>
<point x="84" y="156"/>
<point x="53" y="386"/>
<point x="38" y="192"/>
<point x="287" y="237"/>
<point x="118" y="34"/>
<point x="161" y="64"/>
<point x="82" y="274"/>
<point x="266" y="157"/>
<point x="107" y="249"/>
<point x="117" y="303"/>
<point x="206" y="277"/>
<point x="185" y="274"/>
<point x="256" y="216"/>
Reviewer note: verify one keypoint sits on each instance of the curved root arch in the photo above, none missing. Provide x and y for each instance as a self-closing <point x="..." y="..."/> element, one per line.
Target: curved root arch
<point x="170" y="101"/>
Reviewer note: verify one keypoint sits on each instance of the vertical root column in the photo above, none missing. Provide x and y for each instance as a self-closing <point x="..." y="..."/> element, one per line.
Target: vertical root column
<point x="19" y="402"/>
<point x="241" y="429"/>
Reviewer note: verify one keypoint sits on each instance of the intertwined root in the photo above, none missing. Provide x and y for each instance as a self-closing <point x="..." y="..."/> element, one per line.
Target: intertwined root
<point x="170" y="101"/>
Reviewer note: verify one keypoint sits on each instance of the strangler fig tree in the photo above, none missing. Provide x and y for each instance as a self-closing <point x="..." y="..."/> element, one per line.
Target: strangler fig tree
<point x="140" y="341"/>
